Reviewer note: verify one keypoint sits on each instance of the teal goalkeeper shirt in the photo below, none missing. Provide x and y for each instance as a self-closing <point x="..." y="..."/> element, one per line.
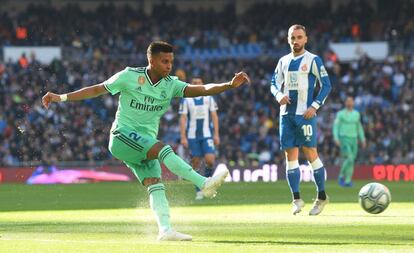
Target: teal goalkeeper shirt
<point x="348" y="124"/>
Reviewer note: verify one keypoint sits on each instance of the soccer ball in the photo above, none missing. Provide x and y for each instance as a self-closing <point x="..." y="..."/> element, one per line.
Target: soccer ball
<point x="374" y="198"/>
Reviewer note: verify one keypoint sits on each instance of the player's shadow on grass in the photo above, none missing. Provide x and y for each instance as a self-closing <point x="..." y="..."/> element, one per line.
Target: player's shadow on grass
<point x="135" y="228"/>
<point x="369" y="216"/>
<point x="310" y="243"/>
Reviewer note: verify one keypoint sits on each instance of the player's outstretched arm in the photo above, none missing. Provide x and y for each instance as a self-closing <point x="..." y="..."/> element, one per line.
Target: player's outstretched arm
<point x="84" y="93"/>
<point x="216" y="88"/>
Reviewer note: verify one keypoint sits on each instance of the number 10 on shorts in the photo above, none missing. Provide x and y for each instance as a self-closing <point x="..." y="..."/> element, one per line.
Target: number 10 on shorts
<point x="307" y="130"/>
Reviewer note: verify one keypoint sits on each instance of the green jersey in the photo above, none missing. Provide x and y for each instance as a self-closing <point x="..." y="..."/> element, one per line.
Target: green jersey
<point x="141" y="102"/>
<point x="348" y="124"/>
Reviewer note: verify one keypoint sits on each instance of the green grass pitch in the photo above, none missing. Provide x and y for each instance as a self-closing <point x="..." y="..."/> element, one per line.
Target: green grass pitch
<point x="244" y="217"/>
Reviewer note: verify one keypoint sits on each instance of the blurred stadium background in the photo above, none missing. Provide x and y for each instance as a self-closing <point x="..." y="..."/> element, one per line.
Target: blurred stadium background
<point x="367" y="47"/>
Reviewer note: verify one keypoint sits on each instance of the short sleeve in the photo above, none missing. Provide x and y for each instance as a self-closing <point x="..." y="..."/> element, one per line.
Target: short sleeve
<point x="183" y="106"/>
<point x="178" y="88"/>
<point x="117" y="82"/>
<point x="213" y="105"/>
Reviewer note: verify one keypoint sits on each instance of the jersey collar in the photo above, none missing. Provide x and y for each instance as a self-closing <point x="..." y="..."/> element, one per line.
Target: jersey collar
<point x="167" y="78"/>
<point x="149" y="79"/>
<point x="297" y="57"/>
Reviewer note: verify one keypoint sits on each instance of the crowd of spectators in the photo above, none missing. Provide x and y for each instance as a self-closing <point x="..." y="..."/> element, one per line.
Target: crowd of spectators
<point x="111" y="38"/>
<point x="126" y="30"/>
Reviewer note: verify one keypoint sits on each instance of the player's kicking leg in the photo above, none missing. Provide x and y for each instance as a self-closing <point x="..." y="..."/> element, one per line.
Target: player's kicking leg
<point x="159" y="203"/>
<point x="179" y="167"/>
<point x="319" y="176"/>
<point x="147" y="168"/>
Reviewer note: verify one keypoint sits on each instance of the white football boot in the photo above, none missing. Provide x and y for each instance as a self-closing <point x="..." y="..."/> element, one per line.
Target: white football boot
<point x="172" y="235"/>
<point x="318" y="206"/>
<point x="297" y="206"/>
<point x="210" y="186"/>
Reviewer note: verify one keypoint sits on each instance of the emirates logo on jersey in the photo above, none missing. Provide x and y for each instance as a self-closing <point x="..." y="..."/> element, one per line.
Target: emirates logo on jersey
<point x="141" y="80"/>
<point x="304" y="67"/>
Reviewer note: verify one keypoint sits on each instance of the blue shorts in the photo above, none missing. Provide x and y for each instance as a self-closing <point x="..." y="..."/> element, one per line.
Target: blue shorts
<point x="200" y="147"/>
<point x="295" y="131"/>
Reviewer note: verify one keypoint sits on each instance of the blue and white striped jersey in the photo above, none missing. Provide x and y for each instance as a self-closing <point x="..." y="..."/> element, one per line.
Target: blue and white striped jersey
<point x="297" y="78"/>
<point x="198" y="111"/>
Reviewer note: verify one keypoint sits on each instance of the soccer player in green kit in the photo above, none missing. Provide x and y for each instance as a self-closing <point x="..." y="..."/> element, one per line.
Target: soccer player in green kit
<point x="347" y="129"/>
<point x="145" y="95"/>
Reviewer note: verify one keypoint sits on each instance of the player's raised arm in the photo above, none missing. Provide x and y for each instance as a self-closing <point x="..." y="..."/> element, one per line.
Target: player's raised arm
<point x="216" y="88"/>
<point x="81" y="94"/>
<point x="114" y="85"/>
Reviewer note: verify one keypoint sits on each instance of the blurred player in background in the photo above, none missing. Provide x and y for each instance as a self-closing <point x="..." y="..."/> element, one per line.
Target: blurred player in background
<point x="145" y="95"/>
<point x="199" y="128"/>
<point x="293" y="85"/>
<point x="346" y="131"/>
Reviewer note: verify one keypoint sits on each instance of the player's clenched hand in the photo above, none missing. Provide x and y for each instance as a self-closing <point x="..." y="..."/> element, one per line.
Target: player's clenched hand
<point x="363" y="144"/>
<point x="239" y="79"/>
<point x="284" y="100"/>
<point x="216" y="140"/>
<point x="49" y="98"/>
<point x="184" y="142"/>
<point x="309" y="113"/>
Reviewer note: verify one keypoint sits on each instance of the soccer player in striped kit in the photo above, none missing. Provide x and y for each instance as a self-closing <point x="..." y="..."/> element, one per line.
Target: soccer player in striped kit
<point x="199" y="129"/>
<point x="293" y="85"/>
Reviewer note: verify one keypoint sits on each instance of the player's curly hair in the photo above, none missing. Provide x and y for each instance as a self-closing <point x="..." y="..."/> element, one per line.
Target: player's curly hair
<point x="159" y="47"/>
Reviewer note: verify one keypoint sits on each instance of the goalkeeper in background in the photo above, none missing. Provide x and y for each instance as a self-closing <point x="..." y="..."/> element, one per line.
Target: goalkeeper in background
<point x="347" y="130"/>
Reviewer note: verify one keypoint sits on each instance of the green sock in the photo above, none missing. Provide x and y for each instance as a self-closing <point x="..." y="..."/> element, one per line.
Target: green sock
<point x="349" y="172"/>
<point x="345" y="166"/>
<point x="179" y="167"/>
<point x="343" y="169"/>
<point x="159" y="206"/>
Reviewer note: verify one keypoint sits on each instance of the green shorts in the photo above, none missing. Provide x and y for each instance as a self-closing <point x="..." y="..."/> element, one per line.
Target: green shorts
<point x="349" y="147"/>
<point x="132" y="147"/>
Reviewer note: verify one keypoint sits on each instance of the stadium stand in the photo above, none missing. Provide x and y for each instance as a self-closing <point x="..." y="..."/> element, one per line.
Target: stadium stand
<point x="98" y="43"/>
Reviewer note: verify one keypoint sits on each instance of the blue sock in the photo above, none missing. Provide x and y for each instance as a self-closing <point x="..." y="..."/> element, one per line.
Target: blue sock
<point x="319" y="176"/>
<point x="293" y="178"/>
